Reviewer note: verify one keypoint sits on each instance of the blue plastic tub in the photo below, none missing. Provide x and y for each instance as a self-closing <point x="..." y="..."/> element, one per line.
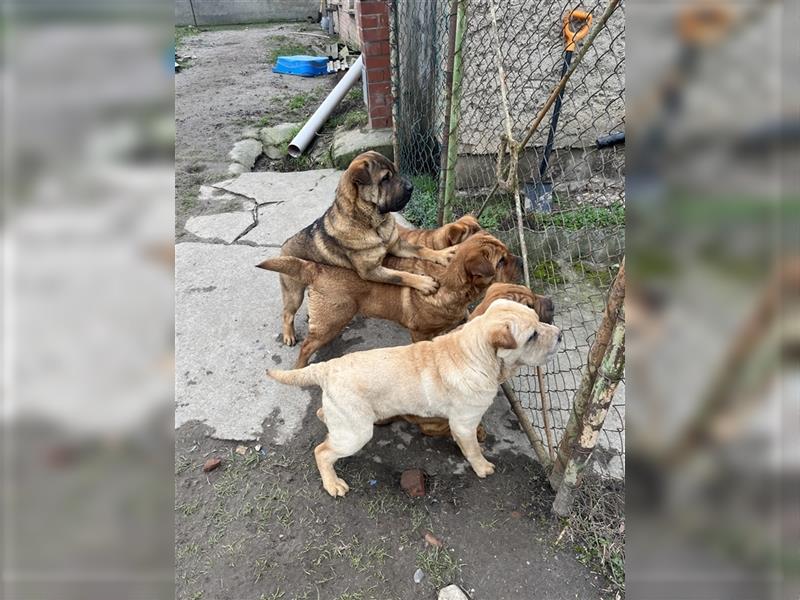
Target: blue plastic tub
<point x="304" y="66"/>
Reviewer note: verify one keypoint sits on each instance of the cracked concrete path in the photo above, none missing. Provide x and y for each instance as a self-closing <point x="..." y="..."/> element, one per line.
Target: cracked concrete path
<point x="262" y="217"/>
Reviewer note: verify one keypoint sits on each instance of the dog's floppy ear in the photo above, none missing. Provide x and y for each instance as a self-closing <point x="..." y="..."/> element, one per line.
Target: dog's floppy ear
<point x="478" y="266"/>
<point x="502" y="337"/>
<point x="455" y="233"/>
<point x="359" y="173"/>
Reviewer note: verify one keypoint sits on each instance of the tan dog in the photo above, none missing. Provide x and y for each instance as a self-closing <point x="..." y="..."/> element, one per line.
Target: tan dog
<point x="454" y="377"/>
<point x="435" y="427"/>
<point x="337" y="295"/>
<point x="357" y="232"/>
<point x="444" y="236"/>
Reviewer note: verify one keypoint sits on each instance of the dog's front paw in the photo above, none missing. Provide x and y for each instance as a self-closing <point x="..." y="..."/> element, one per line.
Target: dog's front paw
<point x="483" y="468"/>
<point x="427" y="285"/>
<point x="336" y="487"/>
<point x="289" y="338"/>
<point x="443" y="257"/>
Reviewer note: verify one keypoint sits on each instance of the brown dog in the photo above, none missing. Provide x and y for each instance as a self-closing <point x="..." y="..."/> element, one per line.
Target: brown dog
<point x="444" y="236"/>
<point x="517" y="293"/>
<point x="357" y="232"/>
<point x="436" y="427"/>
<point x="337" y="295"/>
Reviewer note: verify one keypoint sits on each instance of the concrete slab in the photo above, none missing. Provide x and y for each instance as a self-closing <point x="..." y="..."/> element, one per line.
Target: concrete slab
<point x="211" y="194"/>
<point x="223" y="226"/>
<point x="227" y="323"/>
<point x="349" y="144"/>
<point x="268" y="187"/>
<point x="276" y="222"/>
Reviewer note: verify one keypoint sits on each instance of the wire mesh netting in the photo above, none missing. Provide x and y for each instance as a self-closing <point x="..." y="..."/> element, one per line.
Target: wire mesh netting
<point x="573" y="210"/>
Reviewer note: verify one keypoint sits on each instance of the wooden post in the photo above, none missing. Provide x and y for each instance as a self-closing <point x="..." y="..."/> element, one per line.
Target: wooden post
<point x="602" y="339"/>
<point x="444" y="173"/>
<point x="455" y="111"/>
<point x="609" y="376"/>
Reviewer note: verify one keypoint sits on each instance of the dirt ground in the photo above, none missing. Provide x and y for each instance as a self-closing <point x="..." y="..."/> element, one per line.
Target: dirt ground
<point x="261" y="526"/>
<point x="227" y="85"/>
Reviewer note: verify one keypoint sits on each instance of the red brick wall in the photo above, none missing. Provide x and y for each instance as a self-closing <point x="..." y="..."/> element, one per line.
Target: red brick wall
<point x="372" y="17"/>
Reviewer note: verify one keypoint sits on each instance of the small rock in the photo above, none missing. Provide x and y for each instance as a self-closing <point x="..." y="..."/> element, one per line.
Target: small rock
<point x="279" y="134"/>
<point x="432" y="540"/>
<point x="452" y="592"/>
<point x="237" y="169"/>
<point x="258" y="447"/>
<point x="273" y="152"/>
<point x="241" y="450"/>
<point x="413" y="482"/>
<point x="211" y="464"/>
<point x="419" y="575"/>
<point x="246" y="152"/>
<point x="250" y="133"/>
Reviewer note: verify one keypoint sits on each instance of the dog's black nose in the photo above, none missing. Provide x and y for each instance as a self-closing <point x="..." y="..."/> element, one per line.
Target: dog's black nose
<point x="409" y="186"/>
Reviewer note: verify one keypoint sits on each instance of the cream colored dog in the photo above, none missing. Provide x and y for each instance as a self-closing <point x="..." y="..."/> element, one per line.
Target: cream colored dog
<point x="454" y="376"/>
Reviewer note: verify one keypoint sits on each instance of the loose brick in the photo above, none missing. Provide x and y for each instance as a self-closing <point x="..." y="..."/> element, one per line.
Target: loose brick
<point x="413" y="482"/>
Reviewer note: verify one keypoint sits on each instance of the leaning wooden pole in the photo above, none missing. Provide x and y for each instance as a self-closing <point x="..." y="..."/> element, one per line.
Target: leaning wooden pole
<point x="455" y="111"/>
<point x="602" y="339"/>
<point x="444" y="174"/>
<point x="610" y="374"/>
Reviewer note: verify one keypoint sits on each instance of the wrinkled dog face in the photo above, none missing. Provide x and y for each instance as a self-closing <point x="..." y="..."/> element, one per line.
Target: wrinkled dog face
<point x="462" y="229"/>
<point x="486" y="260"/>
<point x="519" y="336"/>
<point x="376" y="180"/>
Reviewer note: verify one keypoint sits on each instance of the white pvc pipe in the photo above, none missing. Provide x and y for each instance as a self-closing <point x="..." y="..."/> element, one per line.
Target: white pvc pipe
<point x="303" y="138"/>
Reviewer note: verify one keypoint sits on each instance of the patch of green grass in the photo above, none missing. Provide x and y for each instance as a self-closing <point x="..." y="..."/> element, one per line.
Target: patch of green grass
<point x="421" y="209"/>
<point x="299" y="101"/>
<point x="264" y="121"/>
<point x="439" y="565"/>
<point x="184" y="31"/>
<point x="287" y="47"/>
<point x="585" y="216"/>
<point x="352" y="119"/>
<point x="600" y="278"/>
<point x="548" y="271"/>
<point x="187" y="509"/>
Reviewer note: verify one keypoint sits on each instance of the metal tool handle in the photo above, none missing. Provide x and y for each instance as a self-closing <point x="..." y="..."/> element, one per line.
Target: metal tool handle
<point x="573" y="37"/>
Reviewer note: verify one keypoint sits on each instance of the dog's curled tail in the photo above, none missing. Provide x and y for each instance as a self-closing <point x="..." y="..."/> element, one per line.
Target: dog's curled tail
<point x="309" y="375"/>
<point x="296" y="268"/>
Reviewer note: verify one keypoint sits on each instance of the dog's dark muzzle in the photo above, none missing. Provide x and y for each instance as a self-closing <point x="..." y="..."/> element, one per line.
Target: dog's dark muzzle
<point x="545" y="308"/>
<point x="399" y="201"/>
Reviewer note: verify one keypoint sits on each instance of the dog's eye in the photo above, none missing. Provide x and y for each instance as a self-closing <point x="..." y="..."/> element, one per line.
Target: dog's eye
<point x="533" y="337"/>
<point x="502" y="262"/>
<point x="387" y="177"/>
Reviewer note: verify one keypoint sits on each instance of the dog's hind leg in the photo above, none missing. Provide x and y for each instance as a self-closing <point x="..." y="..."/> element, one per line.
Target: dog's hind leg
<point x="326" y="321"/>
<point x="338" y="445"/>
<point x="292" y="292"/>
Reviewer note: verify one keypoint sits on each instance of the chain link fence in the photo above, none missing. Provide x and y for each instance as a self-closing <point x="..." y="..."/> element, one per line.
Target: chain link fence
<point x="573" y="211"/>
